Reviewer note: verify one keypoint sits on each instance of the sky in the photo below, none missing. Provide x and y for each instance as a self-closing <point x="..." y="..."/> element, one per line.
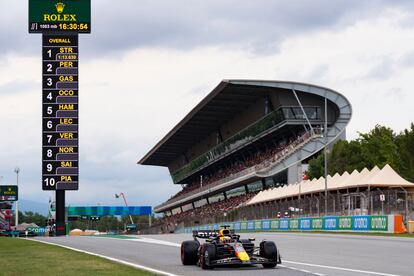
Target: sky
<point x="146" y="64"/>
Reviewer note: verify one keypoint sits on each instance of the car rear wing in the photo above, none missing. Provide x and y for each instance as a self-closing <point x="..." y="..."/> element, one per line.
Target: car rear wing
<point x="205" y="234"/>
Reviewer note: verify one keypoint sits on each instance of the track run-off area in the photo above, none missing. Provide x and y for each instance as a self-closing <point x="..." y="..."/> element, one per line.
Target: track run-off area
<point x="302" y="254"/>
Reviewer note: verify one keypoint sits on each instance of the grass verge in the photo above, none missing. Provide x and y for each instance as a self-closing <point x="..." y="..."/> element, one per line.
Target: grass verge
<point x="25" y="257"/>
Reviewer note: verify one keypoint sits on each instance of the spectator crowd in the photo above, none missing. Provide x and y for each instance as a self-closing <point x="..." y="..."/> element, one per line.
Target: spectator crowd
<point x="260" y="160"/>
<point x="206" y="211"/>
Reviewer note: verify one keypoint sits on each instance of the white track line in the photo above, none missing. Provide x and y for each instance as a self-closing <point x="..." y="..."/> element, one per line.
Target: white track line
<point x="301" y="270"/>
<point x="154" y="241"/>
<point x="341" y="268"/>
<point x="156" y="271"/>
<point x="143" y="240"/>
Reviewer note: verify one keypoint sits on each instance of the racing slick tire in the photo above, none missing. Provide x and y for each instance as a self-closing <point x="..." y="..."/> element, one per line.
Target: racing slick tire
<point x="189" y="252"/>
<point x="207" y="254"/>
<point x="268" y="250"/>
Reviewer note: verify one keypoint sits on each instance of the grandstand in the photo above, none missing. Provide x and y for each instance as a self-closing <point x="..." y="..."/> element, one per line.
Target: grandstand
<point x="244" y="137"/>
<point x="5" y="215"/>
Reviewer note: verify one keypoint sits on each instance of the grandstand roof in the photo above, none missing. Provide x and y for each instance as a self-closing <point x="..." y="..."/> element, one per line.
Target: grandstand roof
<point x="385" y="177"/>
<point x="223" y="103"/>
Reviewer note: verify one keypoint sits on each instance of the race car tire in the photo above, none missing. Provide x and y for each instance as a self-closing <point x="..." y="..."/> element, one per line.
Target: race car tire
<point x="189" y="252"/>
<point x="207" y="254"/>
<point x="268" y="250"/>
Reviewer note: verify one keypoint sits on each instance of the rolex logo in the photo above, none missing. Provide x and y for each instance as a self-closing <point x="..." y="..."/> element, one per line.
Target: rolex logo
<point x="60" y="7"/>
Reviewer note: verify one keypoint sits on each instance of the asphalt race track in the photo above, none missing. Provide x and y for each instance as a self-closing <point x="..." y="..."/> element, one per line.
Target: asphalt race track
<point x="302" y="254"/>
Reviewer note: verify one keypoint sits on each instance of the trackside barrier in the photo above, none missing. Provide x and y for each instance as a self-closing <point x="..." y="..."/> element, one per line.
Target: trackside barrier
<point x="38" y="230"/>
<point x="373" y="224"/>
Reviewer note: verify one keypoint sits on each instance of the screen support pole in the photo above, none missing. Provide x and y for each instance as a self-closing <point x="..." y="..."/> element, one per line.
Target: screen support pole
<point x="60" y="213"/>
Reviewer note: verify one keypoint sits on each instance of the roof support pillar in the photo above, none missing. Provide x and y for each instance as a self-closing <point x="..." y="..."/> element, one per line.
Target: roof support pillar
<point x="263" y="183"/>
<point x="407" y="216"/>
<point x="303" y="111"/>
<point x="369" y="201"/>
<point x="268" y="105"/>
<point x="219" y="136"/>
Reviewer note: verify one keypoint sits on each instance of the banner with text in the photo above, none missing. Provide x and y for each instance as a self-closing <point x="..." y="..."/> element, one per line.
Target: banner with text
<point x="384" y="224"/>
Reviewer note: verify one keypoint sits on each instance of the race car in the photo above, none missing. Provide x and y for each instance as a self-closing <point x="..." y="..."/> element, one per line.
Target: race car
<point x="225" y="248"/>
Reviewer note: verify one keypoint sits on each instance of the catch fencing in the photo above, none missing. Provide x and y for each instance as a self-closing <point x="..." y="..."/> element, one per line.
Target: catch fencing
<point x="350" y="203"/>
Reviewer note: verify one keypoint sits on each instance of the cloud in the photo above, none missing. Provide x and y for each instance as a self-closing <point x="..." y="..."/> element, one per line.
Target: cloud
<point x="258" y="26"/>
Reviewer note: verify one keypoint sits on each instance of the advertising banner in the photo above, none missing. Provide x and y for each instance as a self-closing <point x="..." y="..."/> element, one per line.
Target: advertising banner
<point x="330" y="223"/>
<point x="305" y="224"/>
<point x="274" y="224"/>
<point x="266" y="225"/>
<point x="379" y="223"/>
<point x="284" y="224"/>
<point x="38" y="230"/>
<point x="345" y="223"/>
<point x="361" y="223"/>
<point x="258" y="225"/>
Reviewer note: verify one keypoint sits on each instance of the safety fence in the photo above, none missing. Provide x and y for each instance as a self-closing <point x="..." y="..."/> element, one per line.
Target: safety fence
<point x="381" y="202"/>
<point x="374" y="224"/>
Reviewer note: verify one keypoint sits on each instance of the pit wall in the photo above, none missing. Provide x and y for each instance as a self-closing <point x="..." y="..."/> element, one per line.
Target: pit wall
<point x="372" y="224"/>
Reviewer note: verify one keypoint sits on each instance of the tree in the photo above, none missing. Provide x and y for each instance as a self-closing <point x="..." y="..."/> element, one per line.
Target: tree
<point x="30" y="217"/>
<point x="316" y="167"/>
<point x="378" y="148"/>
<point x="105" y="224"/>
<point x="346" y="156"/>
<point x="405" y="145"/>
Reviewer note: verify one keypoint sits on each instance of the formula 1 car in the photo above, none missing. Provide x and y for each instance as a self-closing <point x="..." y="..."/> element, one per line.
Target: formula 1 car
<point x="224" y="248"/>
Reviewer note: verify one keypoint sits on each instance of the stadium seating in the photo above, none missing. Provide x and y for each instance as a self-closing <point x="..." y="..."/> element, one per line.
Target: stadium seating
<point x="4" y="223"/>
<point x="208" y="210"/>
<point x="259" y="160"/>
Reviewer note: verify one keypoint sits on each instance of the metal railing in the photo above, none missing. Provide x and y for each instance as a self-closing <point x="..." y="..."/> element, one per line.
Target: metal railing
<point x="374" y="202"/>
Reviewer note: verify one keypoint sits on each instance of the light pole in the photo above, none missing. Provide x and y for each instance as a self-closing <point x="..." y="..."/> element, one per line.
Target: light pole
<point x="126" y="204"/>
<point x="17" y="171"/>
<point x="325" y="153"/>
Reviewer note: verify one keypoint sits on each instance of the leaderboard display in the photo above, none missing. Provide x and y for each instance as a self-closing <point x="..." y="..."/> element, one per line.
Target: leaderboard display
<point x="63" y="16"/>
<point x="60" y="155"/>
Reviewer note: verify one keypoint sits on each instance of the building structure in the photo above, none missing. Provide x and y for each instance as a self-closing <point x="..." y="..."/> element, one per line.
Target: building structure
<point x="246" y="136"/>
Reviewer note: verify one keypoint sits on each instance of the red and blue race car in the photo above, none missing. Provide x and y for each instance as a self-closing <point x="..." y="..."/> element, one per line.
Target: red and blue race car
<point x="225" y="248"/>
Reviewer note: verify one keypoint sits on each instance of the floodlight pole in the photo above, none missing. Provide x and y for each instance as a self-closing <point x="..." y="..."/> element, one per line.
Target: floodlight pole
<point x="16" y="217"/>
<point x="326" y="157"/>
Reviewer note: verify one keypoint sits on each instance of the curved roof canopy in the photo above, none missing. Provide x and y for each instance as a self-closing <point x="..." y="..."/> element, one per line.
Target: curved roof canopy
<point x="225" y="101"/>
<point x="385" y="177"/>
